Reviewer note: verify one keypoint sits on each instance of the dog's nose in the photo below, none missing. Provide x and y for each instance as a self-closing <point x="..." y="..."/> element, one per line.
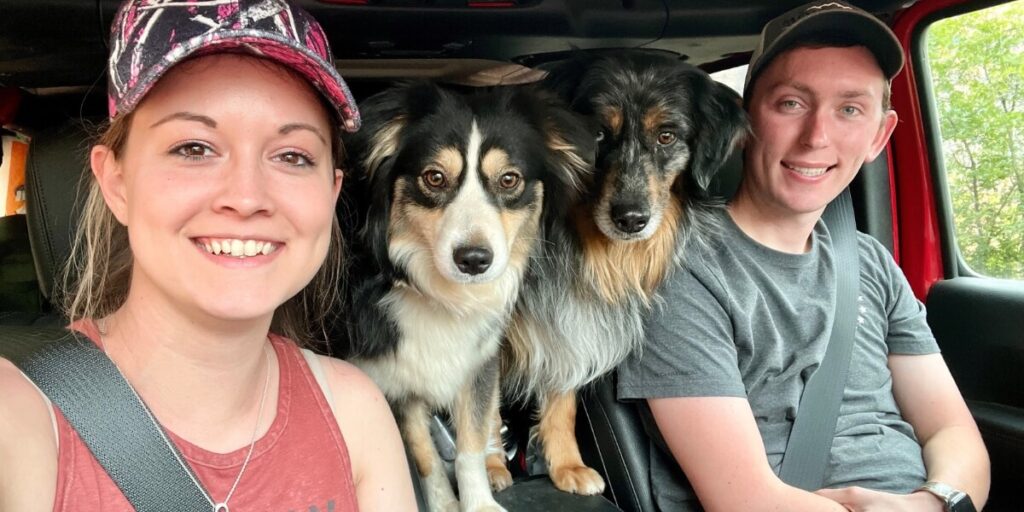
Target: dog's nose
<point x="629" y="218"/>
<point x="473" y="260"/>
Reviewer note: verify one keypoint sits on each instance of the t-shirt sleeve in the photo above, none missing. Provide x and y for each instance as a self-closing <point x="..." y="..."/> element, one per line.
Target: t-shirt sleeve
<point x="908" y="333"/>
<point x="689" y="348"/>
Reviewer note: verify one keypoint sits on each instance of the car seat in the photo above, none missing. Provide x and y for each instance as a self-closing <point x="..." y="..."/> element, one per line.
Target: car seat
<point x="56" y="162"/>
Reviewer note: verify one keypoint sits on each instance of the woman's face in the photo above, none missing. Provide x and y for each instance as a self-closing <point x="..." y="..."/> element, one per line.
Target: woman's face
<point x="227" y="188"/>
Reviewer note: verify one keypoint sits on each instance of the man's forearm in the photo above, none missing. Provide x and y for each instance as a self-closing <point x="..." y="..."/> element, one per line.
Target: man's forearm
<point x="956" y="456"/>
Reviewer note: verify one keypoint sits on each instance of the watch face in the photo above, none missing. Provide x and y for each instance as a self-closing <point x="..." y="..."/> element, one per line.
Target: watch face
<point x="961" y="503"/>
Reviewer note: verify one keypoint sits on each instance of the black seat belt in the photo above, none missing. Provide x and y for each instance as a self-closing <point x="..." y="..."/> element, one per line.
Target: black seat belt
<point x="97" y="401"/>
<point x="810" y="440"/>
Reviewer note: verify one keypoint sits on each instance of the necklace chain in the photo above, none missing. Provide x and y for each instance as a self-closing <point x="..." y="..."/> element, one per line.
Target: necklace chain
<point x="222" y="506"/>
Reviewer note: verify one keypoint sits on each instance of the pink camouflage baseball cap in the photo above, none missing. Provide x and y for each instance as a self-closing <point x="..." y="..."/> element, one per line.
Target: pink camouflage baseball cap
<point x="149" y="37"/>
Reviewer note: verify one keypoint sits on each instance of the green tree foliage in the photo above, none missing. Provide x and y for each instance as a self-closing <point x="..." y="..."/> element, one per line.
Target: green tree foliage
<point x="978" y="78"/>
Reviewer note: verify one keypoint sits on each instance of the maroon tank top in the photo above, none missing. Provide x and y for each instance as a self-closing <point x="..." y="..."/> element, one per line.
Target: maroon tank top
<point x="300" y="464"/>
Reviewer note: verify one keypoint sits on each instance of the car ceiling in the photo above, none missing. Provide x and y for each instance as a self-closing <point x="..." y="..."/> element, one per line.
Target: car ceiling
<point x="62" y="43"/>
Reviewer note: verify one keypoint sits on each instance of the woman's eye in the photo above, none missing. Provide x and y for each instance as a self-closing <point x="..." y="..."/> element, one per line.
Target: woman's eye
<point x="509" y="180"/>
<point x="192" y="151"/>
<point x="666" y="138"/>
<point x="296" y="159"/>
<point x="434" y="178"/>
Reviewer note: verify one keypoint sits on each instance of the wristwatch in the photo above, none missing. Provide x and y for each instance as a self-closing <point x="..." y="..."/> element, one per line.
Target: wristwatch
<point x="956" y="501"/>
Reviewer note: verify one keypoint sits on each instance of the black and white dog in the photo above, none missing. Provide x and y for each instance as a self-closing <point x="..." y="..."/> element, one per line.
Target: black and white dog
<point x="451" y="196"/>
<point x="663" y="128"/>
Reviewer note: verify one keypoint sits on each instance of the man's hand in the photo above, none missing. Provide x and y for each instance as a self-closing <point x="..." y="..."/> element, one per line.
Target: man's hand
<point x="859" y="499"/>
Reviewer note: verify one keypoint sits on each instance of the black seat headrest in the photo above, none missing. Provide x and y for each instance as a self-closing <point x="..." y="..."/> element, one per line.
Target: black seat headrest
<point x="57" y="160"/>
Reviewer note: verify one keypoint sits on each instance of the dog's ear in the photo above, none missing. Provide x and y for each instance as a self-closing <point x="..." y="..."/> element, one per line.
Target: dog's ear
<point x="567" y="136"/>
<point x="385" y="115"/>
<point x="722" y="127"/>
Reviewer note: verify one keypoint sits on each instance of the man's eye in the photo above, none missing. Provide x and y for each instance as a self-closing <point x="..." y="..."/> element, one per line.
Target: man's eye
<point x="789" y="104"/>
<point x="192" y="150"/>
<point x="850" y="111"/>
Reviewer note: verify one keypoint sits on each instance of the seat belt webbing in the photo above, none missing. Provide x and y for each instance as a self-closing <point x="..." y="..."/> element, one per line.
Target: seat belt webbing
<point x="810" y="440"/>
<point x="96" y="400"/>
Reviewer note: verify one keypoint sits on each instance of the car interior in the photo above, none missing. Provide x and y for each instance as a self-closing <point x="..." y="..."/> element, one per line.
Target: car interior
<point x="52" y="90"/>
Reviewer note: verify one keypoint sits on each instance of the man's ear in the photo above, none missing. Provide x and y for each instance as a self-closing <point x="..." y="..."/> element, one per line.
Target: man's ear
<point x="110" y="177"/>
<point x="884" y="132"/>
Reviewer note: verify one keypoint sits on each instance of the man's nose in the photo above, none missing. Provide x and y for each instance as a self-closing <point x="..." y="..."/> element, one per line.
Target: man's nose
<point x="244" y="187"/>
<point x="815" y="130"/>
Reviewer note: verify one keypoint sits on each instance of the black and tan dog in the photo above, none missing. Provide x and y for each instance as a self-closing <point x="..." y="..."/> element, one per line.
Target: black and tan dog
<point x="663" y="129"/>
<point x="452" y="194"/>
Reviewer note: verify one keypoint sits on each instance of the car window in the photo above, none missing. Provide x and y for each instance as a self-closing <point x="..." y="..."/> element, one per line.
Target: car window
<point x="975" y="62"/>
<point x="732" y="77"/>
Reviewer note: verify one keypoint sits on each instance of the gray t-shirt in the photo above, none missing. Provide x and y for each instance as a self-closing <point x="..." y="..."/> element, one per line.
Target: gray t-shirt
<point x="742" y="320"/>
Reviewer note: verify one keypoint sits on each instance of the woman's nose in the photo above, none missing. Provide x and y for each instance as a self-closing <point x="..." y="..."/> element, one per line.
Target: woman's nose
<point x="243" y="189"/>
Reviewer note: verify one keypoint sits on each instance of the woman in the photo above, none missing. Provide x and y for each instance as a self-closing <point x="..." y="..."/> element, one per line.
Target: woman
<point x="207" y="242"/>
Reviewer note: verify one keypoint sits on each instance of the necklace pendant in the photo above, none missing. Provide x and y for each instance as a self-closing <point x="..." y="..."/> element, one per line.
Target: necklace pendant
<point x="221" y="507"/>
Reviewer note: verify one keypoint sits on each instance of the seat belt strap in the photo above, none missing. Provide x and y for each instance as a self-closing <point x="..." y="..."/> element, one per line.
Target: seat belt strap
<point x="810" y="441"/>
<point x="97" y="401"/>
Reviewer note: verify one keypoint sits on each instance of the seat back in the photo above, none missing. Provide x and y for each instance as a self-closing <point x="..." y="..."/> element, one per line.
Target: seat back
<point x="19" y="291"/>
<point x="613" y="441"/>
<point x="57" y="160"/>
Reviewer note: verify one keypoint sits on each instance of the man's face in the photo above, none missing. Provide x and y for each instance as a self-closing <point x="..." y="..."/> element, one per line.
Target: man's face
<point x="816" y="115"/>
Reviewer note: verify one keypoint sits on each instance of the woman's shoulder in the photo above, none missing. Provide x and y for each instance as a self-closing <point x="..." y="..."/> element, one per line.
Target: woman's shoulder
<point x="28" y="445"/>
<point x="348" y="383"/>
<point x="22" y="406"/>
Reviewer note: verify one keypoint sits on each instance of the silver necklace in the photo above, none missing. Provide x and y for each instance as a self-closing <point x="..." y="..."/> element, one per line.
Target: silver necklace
<point x="222" y="506"/>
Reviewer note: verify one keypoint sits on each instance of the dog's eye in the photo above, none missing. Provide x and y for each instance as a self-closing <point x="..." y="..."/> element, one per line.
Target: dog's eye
<point x="509" y="180"/>
<point x="600" y="135"/>
<point x="434" y="178"/>
<point x="666" y="138"/>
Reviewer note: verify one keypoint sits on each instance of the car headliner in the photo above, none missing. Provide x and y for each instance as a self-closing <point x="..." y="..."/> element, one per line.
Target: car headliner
<point x="61" y="43"/>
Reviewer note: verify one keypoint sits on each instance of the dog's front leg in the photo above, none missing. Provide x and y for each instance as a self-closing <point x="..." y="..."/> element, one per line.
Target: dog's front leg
<point x="497" y="471"/>
<point x="558" y="437"/>
<point x="415" y="422"/>
<point x="474" y="413"/>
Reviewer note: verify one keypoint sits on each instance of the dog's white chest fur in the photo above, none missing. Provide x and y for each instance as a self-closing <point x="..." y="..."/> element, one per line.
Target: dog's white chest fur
<point x="439" y="348"/>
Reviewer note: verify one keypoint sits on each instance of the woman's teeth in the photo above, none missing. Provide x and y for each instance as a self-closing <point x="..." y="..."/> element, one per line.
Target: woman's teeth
<point x="238" y="248"/>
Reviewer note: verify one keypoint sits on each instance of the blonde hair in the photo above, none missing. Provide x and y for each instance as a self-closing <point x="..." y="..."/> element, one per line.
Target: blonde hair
<point x="98" y="274"/>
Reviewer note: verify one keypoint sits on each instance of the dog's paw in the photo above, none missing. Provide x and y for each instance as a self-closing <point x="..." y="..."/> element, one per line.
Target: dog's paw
<point x="577" y="480"/>
<point x="499" y="476"/>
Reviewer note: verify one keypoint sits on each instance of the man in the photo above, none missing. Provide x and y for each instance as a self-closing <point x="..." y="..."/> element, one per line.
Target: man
<point x="748" y="318"/>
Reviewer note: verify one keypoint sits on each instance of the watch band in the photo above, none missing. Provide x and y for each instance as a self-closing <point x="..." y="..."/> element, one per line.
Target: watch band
<point x="955" y="500"/>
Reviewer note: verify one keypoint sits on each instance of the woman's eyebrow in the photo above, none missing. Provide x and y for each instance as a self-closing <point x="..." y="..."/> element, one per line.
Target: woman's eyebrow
<point x="302" y="126"/>
<point x="187" y="116"/>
